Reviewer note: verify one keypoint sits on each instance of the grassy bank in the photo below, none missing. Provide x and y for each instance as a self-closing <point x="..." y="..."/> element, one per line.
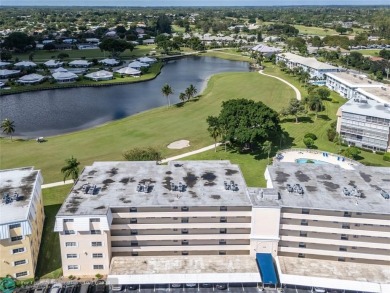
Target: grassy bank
<point x="368" y="52"/>
<point x="157" y="127"/>
<point x="229" y="54"/>
<point x="47" y="85"/>
<point x="49" y="258"/>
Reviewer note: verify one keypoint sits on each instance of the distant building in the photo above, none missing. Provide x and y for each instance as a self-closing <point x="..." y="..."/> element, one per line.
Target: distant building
<point x="365" y="123"/>
<point x="315" y="68"/>
<point x="267" y="51"/>
<point x="31" y="79"/>
<point x="21" y="221"/>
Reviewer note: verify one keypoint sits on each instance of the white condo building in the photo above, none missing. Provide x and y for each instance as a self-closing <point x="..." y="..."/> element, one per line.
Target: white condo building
<point x="315" y="68"/>
<point x="365" y="123"/>
<point x="198" y="222"/>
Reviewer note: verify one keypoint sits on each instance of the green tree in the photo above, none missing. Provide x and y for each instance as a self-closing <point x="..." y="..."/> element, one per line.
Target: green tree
<point x="5" y="55"/>
<point x="214" y="129"/>
<point x="267" y="148"/>
<point x="182" y="97"/>
<point x="246" y="123"/>
<point x="163" y="24"/>
<point x="143" y="154"/>
<point x="341" y="30"/>
<point x="191" y="91"/>
<point x="167" y="91"/>
<point x="294" y="108"/>
<point x="62" y="56"/>
<point x="8" y="127"/>
<point x="315" y="104"/>
<point x="352" y="152"/>
<point x="71" y="169"/>
<point x="18" y="41"/>
<point x="115" y="46"/>
<point x="309" y="142"/>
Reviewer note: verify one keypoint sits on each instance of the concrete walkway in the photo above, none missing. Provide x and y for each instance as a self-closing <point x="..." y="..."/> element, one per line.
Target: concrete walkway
<point x="297" y="92"/>
<point x="210" y="147"/>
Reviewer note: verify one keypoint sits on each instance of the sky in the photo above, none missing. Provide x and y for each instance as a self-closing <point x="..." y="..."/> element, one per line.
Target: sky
<point x="144" y="3"/>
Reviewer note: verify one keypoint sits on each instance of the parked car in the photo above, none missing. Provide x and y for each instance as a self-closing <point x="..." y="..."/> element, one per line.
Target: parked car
<point x="319" y="290"/>
<point x="131" y="287"/>
<point x="56" y="288"/>
<point x="221" y="286"/>
<point x="206" y="285"/>
<point x="40" y="289"/>
<point x="70" y="288"/>
<point x="176" y="285"/>
<point x="190" y="285"/>
<point x="85" y="288"/>
<point x="100" y="286"/>
<point x="117" y="288"/>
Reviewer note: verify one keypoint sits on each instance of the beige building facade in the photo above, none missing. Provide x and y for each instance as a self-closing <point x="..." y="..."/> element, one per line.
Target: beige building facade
<point x="123" y="213"/>
<point x="21" y="221"/>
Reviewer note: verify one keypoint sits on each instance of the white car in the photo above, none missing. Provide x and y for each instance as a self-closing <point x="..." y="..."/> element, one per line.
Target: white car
<point x="319" y="290"/>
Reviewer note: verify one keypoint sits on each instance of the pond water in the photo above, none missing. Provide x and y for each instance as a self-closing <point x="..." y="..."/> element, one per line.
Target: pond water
<point x="58" y="111"/>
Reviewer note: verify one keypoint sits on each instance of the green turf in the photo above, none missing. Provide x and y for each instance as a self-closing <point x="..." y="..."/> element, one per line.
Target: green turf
<point x="227" y="54"/>
<point x="157" y="127"/>
<point x="368" y="52"/>
<point x="49" y="258"/>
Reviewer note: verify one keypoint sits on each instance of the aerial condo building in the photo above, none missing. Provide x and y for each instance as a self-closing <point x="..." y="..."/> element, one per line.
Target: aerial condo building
<point x="198" y="222"/>
<point x="21" y="221"/>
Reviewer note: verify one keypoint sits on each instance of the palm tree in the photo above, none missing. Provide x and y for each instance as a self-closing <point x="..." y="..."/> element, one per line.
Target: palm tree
<point x="315" y="103"/>
<point x="182" y="97"/>
<point x="267" y="148"/>
<point x="8" y="127"/>
<point x="71" y="169"/>
<point x="167" y="91"/>
<point x="214" y="129"/>
<point x="191" y="91"/>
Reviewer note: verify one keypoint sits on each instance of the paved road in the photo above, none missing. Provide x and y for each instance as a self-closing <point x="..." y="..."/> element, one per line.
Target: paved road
<point x="297" y="92"/>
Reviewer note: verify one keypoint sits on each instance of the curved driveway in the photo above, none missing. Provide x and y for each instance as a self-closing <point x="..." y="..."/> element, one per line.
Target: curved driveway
<point x="297" y="92"/>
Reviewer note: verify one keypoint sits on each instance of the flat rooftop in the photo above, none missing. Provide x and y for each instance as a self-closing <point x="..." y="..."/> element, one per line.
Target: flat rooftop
<point x="323" y="187"/>
<point x="308" y="61"/>
<point x="354" y="80"/>
<point x="21" y="182"/>
<point x="334" y="269"/>
<point x="196" y="264"/>
<point x="117" y="183"/>
<point x="378" y="93"/>
<point x="368" y="108"/>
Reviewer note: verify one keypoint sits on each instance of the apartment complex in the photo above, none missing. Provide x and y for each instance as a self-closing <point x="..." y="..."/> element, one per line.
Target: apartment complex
<point x="198" y="222"/>
<point x="21" y="221"/>
<point x="315" y="68"/>
<point x="365" y="123"/>
<point x="357" y="86"/>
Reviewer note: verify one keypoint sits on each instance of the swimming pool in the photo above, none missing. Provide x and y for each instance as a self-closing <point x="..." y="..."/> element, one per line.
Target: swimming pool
<point x="311" y="161"/>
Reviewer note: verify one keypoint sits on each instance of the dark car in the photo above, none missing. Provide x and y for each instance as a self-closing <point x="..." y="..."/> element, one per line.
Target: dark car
<point x="131" y="287"/>
<point x="221" y="286"/>
<point x="100" y="287"/>
<point x="206" y="285"/>
<point x="70" y="288"/>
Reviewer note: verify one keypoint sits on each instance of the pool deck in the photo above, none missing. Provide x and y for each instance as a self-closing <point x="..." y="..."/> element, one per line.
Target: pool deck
<point x="292" y="155"/>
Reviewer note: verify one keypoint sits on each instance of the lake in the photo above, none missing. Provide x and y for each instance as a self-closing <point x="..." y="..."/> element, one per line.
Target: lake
<point x="52" y="112"/>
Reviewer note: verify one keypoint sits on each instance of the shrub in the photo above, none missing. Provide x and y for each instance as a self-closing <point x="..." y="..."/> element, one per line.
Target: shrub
<point x="310" y="135"/>
<point x="139" y="154"/>
<point x="351" y="152"/>
<point x="309" y="143"/>
<point x="331" y="133"/>
<point x="386" y="157"/>
<point x="98" y="276"/>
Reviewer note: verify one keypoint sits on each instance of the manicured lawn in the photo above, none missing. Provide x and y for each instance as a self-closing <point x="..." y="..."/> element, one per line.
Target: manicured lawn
<point x="49" y="259"/>
<point x="157" y="127"/>
<point x="43" y="55"/>
<point x="230" y="54"/>
<point x="368" y="52"/>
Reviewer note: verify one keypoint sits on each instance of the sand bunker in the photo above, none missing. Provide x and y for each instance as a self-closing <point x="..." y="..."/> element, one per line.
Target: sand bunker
<point x="179" y="144"/>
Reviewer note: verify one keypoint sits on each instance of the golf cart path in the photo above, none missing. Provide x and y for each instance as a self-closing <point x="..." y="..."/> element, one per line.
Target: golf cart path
<point x="297" y="92"/>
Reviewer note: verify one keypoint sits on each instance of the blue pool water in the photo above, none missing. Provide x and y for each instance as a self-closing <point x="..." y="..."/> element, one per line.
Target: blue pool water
<point x="318" y="82"/>
<point x="304" y="161"/>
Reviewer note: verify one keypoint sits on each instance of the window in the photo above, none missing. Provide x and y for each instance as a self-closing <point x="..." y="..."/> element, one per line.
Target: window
<point x="184" y="231"/>
<point x="97" y="255"/>
<point x="341" y="259"/>
<point x="347" y="214"/>
<point x="303" y="233"/>
<point x="68" y="220"/>
<point x="184" y="220"/>
<point x="304" y="223"/>
<point x="134" y="243"/>
<point x="355" y="236"/>
<point x="354" y="247"/>
<point x="222" y="231"/>
<point x="345" y="226"/>
<point x="305" y="211"/>
<point x="71" y="255"/>
<point x="184" y="242"/>
<point x="69" y="232"/>
<point x="134" y="253"/>
<point x="222" y="252"/>
<point x="223" y="209"/>
<point x="18" y="250"/>
<point x="344" y="237"/>
<point x="223" y="220"/>
<point x="222" y="242"/>
<point x="342" y="248"/>
<point x="302" y="245"/>
<point x="21" y="274"/>
<point x="16" y="238"/>
<point x="73" y="267"/>
<point x="134" y="232"/>
<point x="96" y="243"/>
<point x="301" y="255"/>
<point x="70" y="244"/>
<point x="95" y="232"/>
<point x="13" y="226"/>
<point x="184" y="253"/>
<point x="98" y="267"/>
<point x="133" y="210"/>
<point x="133" y="221"/>
<point x="20" y="262"/>
<point x="94" y="220"/>
<point x="184" y="209"/>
